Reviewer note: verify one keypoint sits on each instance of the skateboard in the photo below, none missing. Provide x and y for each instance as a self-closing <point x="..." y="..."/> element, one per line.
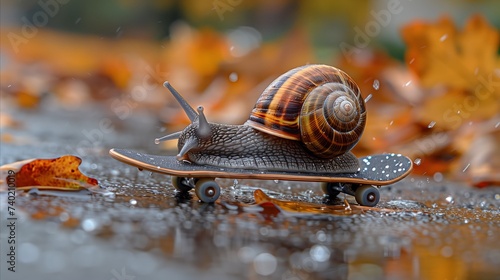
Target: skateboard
<point x="375" y="171"/>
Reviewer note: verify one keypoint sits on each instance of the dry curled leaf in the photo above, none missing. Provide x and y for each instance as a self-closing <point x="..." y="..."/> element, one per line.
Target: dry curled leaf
<point x="57" y="174"/>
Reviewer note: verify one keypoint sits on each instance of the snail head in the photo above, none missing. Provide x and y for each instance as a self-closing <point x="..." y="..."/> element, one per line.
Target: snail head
<point x="198" y="130"/>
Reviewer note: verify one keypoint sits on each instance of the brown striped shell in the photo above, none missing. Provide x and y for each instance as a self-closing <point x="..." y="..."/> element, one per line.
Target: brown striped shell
<point x="319" y="105"/>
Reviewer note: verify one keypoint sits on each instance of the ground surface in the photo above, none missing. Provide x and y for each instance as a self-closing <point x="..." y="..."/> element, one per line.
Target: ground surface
<point x="142" y="229"/>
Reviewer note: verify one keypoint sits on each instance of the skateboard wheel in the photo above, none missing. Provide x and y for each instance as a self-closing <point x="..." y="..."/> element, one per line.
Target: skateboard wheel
<point x="207" y="190"/>
<point x="181" y="184"/>
<point x="330" y="188"/>
<point x="367" y="195"/>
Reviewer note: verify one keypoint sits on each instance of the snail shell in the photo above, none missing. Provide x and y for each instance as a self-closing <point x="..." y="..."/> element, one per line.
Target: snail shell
<point x="319" y="105"/>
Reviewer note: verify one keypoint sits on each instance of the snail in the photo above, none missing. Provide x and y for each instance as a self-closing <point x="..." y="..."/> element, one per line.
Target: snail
<point x="307" y="120"/>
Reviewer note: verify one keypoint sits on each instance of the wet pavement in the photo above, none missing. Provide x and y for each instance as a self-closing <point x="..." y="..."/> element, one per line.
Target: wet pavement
<point x="138" y="227"/>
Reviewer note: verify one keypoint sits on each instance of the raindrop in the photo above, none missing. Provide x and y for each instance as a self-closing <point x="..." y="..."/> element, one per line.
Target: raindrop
<point x="320" y="253"/>
<point x="77" y="21"/>
<point x="368" y="97"/>
<point x="64" y="217"/>
<point x="89" y="225"/>
<point x="276" y="181"/>
<point x="438" y="177"/>
<point x="233" y="77"/>
<point x="443" y="37"/>
<point x="407" y="83"/>
<point x="449" y="199"/>
<point x="411" y="61"/>
<point x="447" y="251"/>
<point x="431" y="124"/>
<point x="133" y="201"/>
<point x="265" y="264"/>
<point x="497" y="125"/>
<point x="417" y="161"/>
<point x="376" y="84"/>
<point x="118" y="29"/>
<point x="465" y="169"/>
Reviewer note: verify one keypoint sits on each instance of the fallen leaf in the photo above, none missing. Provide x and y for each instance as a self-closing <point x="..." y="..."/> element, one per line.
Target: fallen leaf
<point x="299" y="207"/>
<point x="57" y="174"/>
<point x="462" y="64"/>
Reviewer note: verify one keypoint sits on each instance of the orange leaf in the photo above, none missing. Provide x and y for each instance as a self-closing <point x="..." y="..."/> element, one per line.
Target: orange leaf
<point x="58" y="174"/>
<point x="441" y="55"/>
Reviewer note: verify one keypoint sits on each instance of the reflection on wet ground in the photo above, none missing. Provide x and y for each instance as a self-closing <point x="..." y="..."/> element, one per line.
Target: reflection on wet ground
<point x="142" y="229"/>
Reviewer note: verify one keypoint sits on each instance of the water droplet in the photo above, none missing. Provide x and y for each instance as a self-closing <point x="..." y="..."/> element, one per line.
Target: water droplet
<point x="465" y="169"/>
<point x="233" y="77"/>
<point x="368" y="97"/>
<point x="431" y="124"/>
<point x="276" y="181"/>
<point x="118" y="29"/>
<point x="408" y="83"/>
<point x="411" y="61"/>
<point x="64" y="216"/>
<point x="265" y="264"/>
<point x="89" y="225"/>
<point x="376" y="84"/>
<point x="443" y="37"/>
<point x="447" y="251"/>
<point x="497" y="125"/>
<point x="319" y="253"/>
<point x="438" y="177"/>
<point x="133" y="201"/>
<point x="449" y="199"/>
<point x="417" y="161"/>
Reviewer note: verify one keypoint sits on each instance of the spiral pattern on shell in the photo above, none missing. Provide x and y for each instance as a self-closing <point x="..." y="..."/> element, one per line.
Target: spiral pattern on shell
<point x="319" y="105"/>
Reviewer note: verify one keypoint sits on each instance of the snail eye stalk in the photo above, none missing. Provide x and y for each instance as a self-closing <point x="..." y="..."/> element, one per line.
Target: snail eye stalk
<point x="204" y="131"/>
<point x="190" y="112"/>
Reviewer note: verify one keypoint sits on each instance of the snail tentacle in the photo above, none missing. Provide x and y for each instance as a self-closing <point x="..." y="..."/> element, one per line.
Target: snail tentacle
<point x="190" y="144"/>
<point x="204" y="131"/>
<point x="190" y="112"/>
<point x="171" y="136"/>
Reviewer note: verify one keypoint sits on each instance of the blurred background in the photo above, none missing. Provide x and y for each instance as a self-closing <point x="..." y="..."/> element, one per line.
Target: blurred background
<point x="428" y="70"/>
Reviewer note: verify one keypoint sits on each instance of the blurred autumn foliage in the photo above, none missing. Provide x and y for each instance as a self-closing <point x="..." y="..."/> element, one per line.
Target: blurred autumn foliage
<point x="440" y="106"/>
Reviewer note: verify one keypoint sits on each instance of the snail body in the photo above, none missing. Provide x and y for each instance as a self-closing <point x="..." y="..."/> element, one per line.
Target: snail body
<point x="308" y="119"/>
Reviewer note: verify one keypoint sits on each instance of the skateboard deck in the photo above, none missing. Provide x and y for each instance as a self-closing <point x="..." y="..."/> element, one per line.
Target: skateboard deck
<point x="379" y="170"/>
